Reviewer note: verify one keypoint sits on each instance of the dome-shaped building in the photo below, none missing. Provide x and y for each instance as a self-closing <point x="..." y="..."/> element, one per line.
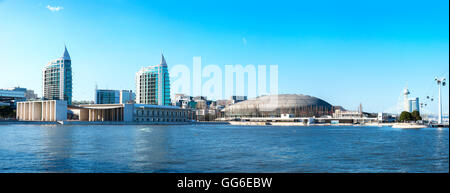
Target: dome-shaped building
<point x="275" y="105"/>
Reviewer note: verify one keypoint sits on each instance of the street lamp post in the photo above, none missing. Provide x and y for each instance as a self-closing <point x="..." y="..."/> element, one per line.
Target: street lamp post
<point x="440" y="81"/>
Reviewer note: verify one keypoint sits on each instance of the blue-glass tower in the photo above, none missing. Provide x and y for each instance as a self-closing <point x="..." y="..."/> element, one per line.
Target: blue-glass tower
<point x="57" y="79"/>
<point x="153" y="84"/>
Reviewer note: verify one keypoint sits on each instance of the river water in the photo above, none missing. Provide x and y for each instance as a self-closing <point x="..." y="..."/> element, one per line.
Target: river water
<point x="221" y="148"/>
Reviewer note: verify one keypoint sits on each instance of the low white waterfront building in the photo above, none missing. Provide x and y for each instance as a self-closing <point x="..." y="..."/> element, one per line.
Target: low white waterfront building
<point x="104" y="112"/>
<point x="137" y="113"/>
<point x="159" y="113"/>
<point x="57" y="110"/>
<point x="47" y="110"/>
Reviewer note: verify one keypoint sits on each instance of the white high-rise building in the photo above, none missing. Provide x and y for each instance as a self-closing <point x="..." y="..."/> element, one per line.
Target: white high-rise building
<point x="57" y="79"/>
<point x="410" y="104"/>
<point x="153" y="85"/>
<point x="406" y="100"/>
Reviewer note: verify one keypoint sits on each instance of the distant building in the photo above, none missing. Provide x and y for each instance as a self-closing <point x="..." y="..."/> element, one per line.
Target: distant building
<point x="206" y="114"/>
<point x="237" y="99"/>
<point x="104" y="96"/>
<point x="184" y="101"/>
<point x="405" y="100"/>
<point x="287" y="116"/>
<point x="200" y="98"/>
<point x="414" y="105"/>
<point x="224" y="103"/>
<point x="274" y="105"/>
<point x="153" y="85"/>
<point x="204" y="109"/>
<point x="12" y="95"/>
<point x="30" y="95"/>
<point x="410" y="104"/>
<point x="386" y="118"/>
<point x="127" y="96"/>
<point x="57" y="79"/>
<point x="347" y="114"/>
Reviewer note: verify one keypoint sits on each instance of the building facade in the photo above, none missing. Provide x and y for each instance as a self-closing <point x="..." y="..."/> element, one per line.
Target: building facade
<point x="413" y="105"/>
<point x="156" y="113"/>
<point x="13" y="95"/>
<point x="57" y="79"/>
<point x="136" y="113"/>
<point x="153" y="85"/>
<point x="104" y="96"/>
<point x="48" y="110"/>
<point x="57" y="110"/>
<point x="236" y="99"/>
<point x="274" y="105"/>
<point x="410" y="104"/>
<point x="127" y="96"/>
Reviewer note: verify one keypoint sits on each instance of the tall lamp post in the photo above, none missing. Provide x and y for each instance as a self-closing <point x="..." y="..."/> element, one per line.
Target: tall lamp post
<point x="440" y="81"/>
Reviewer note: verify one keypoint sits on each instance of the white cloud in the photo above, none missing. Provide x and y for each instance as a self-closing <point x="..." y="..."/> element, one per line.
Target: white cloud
<point x="53" y="9"/>
<point x="244" y="41"/>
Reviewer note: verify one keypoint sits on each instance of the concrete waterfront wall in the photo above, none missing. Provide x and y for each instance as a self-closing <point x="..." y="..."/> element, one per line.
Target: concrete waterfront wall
<point x="120" y="123"/>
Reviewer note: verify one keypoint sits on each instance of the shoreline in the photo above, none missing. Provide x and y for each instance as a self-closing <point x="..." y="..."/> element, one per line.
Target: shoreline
<point x="241" y="123"/>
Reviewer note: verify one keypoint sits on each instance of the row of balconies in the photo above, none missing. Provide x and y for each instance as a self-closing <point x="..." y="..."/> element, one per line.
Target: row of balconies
<point x="160" y="113"/>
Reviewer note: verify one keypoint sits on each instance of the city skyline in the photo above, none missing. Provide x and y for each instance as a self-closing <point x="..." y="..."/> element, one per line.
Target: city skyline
<point x="345" y="60"/>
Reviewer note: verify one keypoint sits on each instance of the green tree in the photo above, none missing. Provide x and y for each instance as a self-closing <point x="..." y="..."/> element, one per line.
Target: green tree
<point x="405" y="116"/>
<point x="416" y="116"/>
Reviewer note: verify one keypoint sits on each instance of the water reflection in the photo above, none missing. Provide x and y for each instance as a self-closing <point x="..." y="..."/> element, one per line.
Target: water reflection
<point x="441" y="145"/>
<point x="150" y="151"/>
<point x="221" y="148"/>
<point x="56" y="149"/>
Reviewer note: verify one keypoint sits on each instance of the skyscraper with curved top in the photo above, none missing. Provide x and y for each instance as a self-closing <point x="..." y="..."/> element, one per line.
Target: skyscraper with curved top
<point x="57" y="79"/>
<point x="153" y="85"/>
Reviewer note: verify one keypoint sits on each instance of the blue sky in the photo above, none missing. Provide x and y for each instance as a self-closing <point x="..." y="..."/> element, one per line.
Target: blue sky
<point x="345" y="52"/>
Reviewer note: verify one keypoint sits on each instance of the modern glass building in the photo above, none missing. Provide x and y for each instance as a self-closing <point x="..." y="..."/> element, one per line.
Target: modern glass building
<point x="414" y="104"/>
<point x="103" y="96"/>
<point x="57" y="79"/>
<point x="153" y="85"/>
<point x="106" y="96"/>
<point x="127" y="96"/>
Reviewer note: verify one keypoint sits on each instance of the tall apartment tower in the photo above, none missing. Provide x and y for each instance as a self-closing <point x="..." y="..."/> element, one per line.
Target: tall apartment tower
<point x="57" y="79"/>
<point x="153" y="85"/>
<point x="406" y="104"/>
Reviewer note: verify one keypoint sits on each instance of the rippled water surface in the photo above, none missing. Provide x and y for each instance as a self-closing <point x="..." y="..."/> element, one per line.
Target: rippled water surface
<point x="221" y="148"/>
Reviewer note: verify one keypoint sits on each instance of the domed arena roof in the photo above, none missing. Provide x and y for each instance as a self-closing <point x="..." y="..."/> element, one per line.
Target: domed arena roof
<point x="274" y="105"/>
